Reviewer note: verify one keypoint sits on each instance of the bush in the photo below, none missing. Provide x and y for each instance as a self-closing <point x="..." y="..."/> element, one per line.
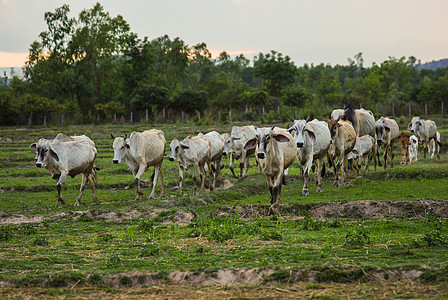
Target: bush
<point x="357" y="238"/>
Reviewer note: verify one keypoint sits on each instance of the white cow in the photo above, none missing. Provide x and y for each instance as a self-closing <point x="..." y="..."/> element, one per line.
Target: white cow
<point x="216" y="150"/>
<point x="276" y="151"/>
<point x="364" y="147"/>
<point x="69" y="156"/>
<point x="413" y="148"/>
<point x="426" y="130"/>
<point x="140" y="151"/>
<point x="387" y="132"/>
<point x="193" y="151"/>
<point x="313" y="141"/>
<point x="234" y="145"/>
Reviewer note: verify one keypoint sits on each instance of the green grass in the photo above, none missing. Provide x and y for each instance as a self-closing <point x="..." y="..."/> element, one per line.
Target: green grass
<point x="230" y="228"/>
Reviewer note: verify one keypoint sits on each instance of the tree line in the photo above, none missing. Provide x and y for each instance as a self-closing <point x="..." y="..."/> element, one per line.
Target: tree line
<point x="93" y="69"/>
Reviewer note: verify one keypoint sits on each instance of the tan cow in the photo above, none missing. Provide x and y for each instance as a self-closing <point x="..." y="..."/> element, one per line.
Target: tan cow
<point x="343" y="137"/>
<point x="313" y="141"/>
<point x="426" y="130"/>
<point x="69" y="156"/>
<point x="404" y="139"/>
<point x="140" y="151"/>
<point x="276" y="151"/>
<point x="386" y="137"/>
<point x="234" y="145"/>
<point x="364" y="148"/>
<point x="193" y="151"/>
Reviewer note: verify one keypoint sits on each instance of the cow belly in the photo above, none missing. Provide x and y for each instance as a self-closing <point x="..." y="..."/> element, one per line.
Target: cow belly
<point x="75" y="171"/>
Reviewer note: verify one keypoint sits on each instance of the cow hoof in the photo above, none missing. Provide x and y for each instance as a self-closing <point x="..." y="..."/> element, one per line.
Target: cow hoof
<point x="305" y="193"/>
<point x="336" y="184"/>
<point x="78" y="203"/>
<point x="319" y="191"/>
<point x="151" y="198"/>
<point x="137" y="198"/>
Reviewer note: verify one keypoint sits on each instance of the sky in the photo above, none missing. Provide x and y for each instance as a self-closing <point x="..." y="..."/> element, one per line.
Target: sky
<point x="308" y="31"/>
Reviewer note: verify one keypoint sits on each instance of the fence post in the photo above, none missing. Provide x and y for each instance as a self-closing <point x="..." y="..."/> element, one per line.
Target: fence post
<point x="132" y="117"/>
<point x="263" y="110"/>
<point x="115" y="117"/>
<point x="377" y="110"/>
<point x="163" y="115"/>
<point x="278" y="110"/>
<point x="199" y="115"/>
<point x="393" y="109"/>
<point x="219" y="115"/>
<point x="230" y="116"/>
<point x="146" y="116"/>
<point x="426" y="108"/>
<point x="410" y="112"/>
<point x="45" y="121"/>
<point x="183" y="117"/>
<point x="442" y="109"/>
<point x="62" y="120"/>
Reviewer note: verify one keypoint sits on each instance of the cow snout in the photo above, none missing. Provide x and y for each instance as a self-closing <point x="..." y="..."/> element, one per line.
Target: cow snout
<point x="260" y="155"/>
<point x="299" y="145"/>
<point x="39" y="164"/>
<point x="412" y="130"/>
<point x="224" y="153"/>
<point x="171" y="158"/>
<point x="115" y="161"/>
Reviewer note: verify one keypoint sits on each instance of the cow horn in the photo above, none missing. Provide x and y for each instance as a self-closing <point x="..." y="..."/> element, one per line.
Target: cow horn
<point x="307" y="119"/>
<point x="125" y="136"/>
<point x="292" y="119"/>
<point x="112" y="136"/>
<point x="273" y="126"/>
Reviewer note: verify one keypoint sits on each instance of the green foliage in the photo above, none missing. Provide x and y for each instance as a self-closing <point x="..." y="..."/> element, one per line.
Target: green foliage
<point x="5" y="233"/>
<point x="40" y="240"/>
<point x="357" y="238"/>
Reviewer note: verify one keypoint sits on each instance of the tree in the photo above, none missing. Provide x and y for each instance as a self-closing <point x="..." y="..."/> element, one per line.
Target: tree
<point x="276" y="71"/>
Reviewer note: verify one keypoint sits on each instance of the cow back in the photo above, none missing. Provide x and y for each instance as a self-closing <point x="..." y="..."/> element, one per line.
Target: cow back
<point x="323" y="137"/>
<point x="366" y="123"/>
<point x="147" y="147"/>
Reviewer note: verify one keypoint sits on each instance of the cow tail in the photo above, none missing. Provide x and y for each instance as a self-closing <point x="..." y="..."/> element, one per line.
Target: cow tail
<point x="152" y="176"/>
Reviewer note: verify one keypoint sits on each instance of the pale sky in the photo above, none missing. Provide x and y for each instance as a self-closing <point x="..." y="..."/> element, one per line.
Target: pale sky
<point x="308" y="31"/>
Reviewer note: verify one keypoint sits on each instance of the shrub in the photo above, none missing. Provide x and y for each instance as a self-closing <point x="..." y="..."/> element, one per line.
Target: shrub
<point x="357" y="238"/>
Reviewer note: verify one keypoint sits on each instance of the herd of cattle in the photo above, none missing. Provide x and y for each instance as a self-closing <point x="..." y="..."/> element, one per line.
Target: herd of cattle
<point x="350" y="137"/>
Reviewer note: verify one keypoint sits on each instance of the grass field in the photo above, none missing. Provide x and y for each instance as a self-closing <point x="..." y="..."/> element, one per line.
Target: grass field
<point x="384" y="235"/>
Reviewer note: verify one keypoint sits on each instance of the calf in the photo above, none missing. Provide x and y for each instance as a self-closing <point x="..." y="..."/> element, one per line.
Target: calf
<point x="276" y="151"/>
<point x="364" y="148"/>
<point x="234" y="145"/>
<point x="426" y="130"/>
<point x="140" y="151"/>
<point x="413" y="148"/>
<point x="404" y="140"/>
<point x="193" y="151"/>
<point x="68" y="157"/>
<point x="387" y="134"/>
<point x="312" y="141"/>
<point x="432" y="146"/>
<point x="343" y="137"/>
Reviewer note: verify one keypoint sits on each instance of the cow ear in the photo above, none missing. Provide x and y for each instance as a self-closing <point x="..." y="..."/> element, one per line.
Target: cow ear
<point x="387" y="128"/>
<point x="281" y="138"/>
<point x="250" y="144"/>
<point x="184" y="146"/>
<point x="112" y="136"/>
<point x="291" y="129"/>
<point x="311" y="134"/>
<point x="125" y="136"/>
<point x="273" y="126"/>
<point x="54" y="154"/>
<point x="355" y="151"/>
<point x="236" y="138"/>
<point x="127" y="146"/>
<point x="33" y="146"/>
<point x="292" y="119"/>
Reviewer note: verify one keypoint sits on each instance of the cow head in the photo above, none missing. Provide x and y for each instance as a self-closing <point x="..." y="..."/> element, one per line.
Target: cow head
<point x="415" y="124"/>
<point x="44" y="152"/>
<point x="176" y="147"/>
<point x="333" y="125"/>
<point x="121" y="146"/>
<point x="263" y="138"/>
<point x="301" y="129"/>
<point x="227" y="138"/>
<point x="382" y="130"/>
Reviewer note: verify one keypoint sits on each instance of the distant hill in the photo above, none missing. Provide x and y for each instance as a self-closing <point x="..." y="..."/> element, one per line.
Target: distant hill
<point x="435" y="64"/>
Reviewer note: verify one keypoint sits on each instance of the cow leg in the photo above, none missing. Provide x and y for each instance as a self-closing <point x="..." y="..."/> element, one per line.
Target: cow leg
<point x="154" y="181"/>
<point x="306" y="173"/>
<point x="59" y="184"/>
<point x="162" y="194"/>
<point x="424" y="149"/>
<point x="232" y="169"/>
<point x="337" y="167"/>
<point x="277" y="187"/>
<point x="386" y="150"/>
<point x="344" y="172"/>
<point x="378" y="155"/>
<point x="181" y="178"/>
<point x="139" y="174"/>
<point x="212" y="174"/>
<point x="319" y="163"/>
<point x="81" y="189"/>
<point x="92" y="183"/>
<point x="218" y="172"/>
<point x="195" y="176"/>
